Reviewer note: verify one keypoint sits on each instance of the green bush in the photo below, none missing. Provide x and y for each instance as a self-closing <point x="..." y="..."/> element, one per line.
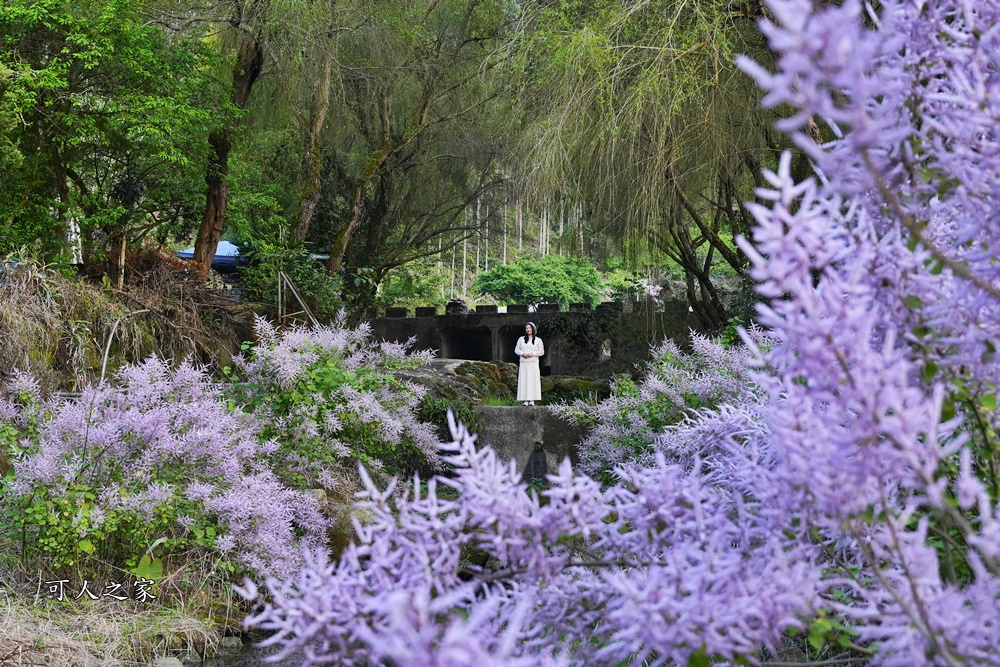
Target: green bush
<point x="550" y="279"/>
<point x="328" y="397"/>
<point x="434" y="410"/>
<point x="320" y="291"/>
<point x="415" y="284"/>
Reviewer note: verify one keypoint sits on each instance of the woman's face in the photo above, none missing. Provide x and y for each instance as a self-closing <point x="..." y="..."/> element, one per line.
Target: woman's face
<point x="528" y="331"/>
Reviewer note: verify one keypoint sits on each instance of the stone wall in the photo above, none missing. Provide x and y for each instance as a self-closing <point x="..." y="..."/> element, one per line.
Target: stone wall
<point x="602" y="341"/>
<point x="513" y="431"/>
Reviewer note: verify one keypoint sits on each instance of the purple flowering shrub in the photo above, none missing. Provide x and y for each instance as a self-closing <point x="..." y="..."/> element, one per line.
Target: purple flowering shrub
<point x="854" y="498"/>
<point x="326" y="394"/>
<point x="881" y="282"/>
<point x="675" y="387"/>
<point x="159" y="458"/>
<point x="676" y="561"/>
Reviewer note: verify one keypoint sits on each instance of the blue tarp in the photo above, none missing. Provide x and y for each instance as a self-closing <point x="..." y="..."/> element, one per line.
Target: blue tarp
<point x="227" y="257"/>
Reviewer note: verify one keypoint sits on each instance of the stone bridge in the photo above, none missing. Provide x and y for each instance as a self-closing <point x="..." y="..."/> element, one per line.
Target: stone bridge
<point x="580" y="341"/>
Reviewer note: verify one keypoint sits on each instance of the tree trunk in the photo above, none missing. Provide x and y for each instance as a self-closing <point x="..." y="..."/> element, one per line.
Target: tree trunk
<point x="505" y="234"/>
<point x="313" y="172"/>
<point x="519" y="214"/>
<point x="454" y="252"/>
<point x="357" y="210"/>
<point x="216" y="195"/>
<point x="249" y="62"/>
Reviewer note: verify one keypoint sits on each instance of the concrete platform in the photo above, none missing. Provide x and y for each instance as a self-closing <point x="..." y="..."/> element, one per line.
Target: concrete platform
<point x="512" y="431"/>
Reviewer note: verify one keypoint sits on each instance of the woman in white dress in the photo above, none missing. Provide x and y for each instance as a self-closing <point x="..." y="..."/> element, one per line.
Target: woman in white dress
<point x="529" y="379"/>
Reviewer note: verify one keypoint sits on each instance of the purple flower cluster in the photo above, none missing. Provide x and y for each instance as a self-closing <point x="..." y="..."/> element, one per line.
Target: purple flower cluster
<point x="328" y="395"/>
<point x="160" y="441"/>
<point x="882" y="288"/>
<point x="628" y="426"/>
<point x="666" y="564"/>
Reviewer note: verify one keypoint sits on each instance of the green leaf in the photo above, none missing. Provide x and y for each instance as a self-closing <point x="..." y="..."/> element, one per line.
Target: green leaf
<point x="699" y="658"/>
<point x="148" y="568"/>
<point x="988" y="401"/>
<point x="86" y="546"/>
<point x="913" y="302"/>
<point x="928" y="372"/>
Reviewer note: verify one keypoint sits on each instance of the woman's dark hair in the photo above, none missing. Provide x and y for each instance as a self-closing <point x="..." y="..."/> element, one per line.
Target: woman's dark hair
<point x="534" y="332"/>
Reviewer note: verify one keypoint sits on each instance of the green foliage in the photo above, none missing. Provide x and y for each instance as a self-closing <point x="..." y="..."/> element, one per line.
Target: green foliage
<point x="621" y="284"/>
<point x="406" y="171"/>
<point x="74" y="528"/>
<point x="415" y="284"/>
<point x="503" y="401"/>
<point x="328" y="416"/>
<point x="551" y="279"/>
<point x="113" y="118"/>
<point x="731" y="334"/>
<point x="257" y="219"/>
<point x="639" y="109"/>
<point x="10" y="156"/>
<point x="434" y="410"/>
<point x="320" y="291"/>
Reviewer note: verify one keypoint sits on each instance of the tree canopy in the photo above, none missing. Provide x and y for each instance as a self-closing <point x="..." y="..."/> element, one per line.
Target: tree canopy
<point x="638" y="108"/>
<point x="550" y="279"/>
<point x="109" y="117"/>
<point x="461" y="132"/>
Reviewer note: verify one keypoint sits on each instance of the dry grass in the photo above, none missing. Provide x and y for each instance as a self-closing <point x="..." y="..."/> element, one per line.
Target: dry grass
<point x="60" y="329"/>
<point x="192" y="610"/>
<point x="102" y="634"/>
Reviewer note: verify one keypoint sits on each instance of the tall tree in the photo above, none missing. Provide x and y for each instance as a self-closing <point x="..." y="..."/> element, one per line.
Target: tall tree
<point x="637" y="106"/>
<point x="246" y="18"/>
<point x="110" y="115"/>
<point x="417" y="92"/>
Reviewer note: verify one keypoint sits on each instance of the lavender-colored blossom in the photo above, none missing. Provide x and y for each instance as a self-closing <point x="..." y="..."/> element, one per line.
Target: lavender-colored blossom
<point x="161" y="438"/>
<point x="355" y="407"/>
<point x="620" y="428"/>
<point x="663" y="565"/>
<point x="853" y="451"/>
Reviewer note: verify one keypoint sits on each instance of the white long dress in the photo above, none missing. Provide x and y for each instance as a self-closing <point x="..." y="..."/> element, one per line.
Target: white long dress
<point x="529" y="378"/>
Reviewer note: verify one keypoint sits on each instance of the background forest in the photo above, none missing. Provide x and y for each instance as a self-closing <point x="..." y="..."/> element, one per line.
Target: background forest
<point x="819" y="487"/>
<point x="388" y="153"/>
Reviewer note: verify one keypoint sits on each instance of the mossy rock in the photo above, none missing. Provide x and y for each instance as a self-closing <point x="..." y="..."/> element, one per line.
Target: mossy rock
<point x="498" y="388"/>
<point x="559" y="387"/>
<point x="487" y="378"/>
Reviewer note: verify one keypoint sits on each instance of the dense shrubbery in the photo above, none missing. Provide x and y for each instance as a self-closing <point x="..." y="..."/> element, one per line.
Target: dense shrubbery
<point x="434" y="410"/>
<point x="854" y="498"/>
<point x="327" y="396"/>
<point x="551" y="279"/>
<point x="627" y="426"/>
<point x="320" y="291"/>
<point x="160" y="459"/>
<point x="419" y="283"/>
<point x="172" y="459"/>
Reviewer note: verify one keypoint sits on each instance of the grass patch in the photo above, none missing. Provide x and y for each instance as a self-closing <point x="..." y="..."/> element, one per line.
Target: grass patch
<point x="501" y="401"/>
<point x="101" y="634"/>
